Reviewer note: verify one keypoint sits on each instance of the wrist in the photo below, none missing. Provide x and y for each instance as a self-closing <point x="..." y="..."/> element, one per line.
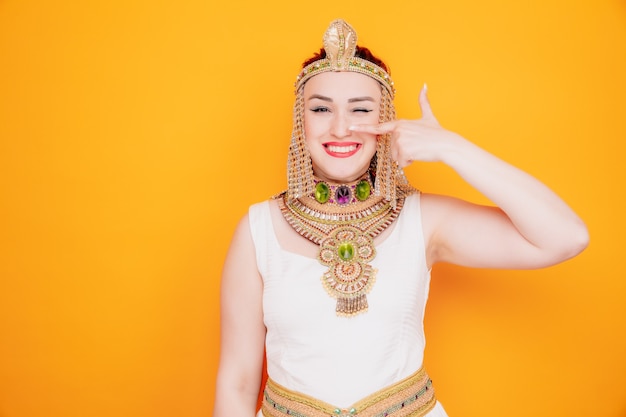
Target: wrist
<point x="457" y="150"/>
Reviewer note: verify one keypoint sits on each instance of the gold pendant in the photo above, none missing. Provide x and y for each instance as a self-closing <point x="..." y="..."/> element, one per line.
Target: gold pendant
<point x="347" y="253"/>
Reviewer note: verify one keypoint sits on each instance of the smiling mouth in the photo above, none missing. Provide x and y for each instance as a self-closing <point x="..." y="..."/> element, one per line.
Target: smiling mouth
<point x="342" y="151"/>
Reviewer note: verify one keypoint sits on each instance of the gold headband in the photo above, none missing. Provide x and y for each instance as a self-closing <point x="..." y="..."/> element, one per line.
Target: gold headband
<point x="340" y="47"/>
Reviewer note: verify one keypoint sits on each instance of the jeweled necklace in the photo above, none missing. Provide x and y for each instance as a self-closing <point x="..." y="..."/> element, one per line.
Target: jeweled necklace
<point x="343" y="219"/>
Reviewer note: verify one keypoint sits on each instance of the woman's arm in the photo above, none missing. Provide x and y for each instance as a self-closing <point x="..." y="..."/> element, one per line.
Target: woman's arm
<point x="242" y="329"/>
<point x="530" y="227"/>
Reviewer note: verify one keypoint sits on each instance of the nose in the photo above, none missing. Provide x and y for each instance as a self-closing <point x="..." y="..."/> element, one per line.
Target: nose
<point x="340" y="126"/>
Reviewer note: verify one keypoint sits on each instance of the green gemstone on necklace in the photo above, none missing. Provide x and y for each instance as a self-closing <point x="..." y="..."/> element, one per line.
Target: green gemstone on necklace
<point x="346" y="251"/>
<point x="322" y="192"/>
<point x="363" y="190"/>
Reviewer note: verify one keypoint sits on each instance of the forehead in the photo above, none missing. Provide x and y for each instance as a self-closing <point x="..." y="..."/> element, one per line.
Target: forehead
<point x="339" y="85"/>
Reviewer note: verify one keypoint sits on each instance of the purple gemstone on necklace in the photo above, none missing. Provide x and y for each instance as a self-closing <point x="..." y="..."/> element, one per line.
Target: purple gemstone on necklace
<point x="342" y="195"/>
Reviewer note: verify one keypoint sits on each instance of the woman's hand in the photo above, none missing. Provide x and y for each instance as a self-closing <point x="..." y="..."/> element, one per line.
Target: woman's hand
<point x="417" y="140"/>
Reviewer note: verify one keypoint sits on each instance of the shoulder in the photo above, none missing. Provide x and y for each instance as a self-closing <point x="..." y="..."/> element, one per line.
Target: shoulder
<point x="262" y="218"/>
<point x="438" y="210"/>
<point x="256" y="213"/>
<point x="436" y="206"/>
<point x="260" y="210"/>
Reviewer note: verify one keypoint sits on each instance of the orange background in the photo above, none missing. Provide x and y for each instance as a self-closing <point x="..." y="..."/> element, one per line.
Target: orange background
<point x="134" y="135"/>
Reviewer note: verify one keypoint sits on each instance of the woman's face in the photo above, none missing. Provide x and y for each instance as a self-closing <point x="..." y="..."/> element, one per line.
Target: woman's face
<point x="334" y="101"/>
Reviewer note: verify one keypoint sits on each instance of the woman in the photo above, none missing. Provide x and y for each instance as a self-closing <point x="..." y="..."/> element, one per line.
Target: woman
<point x="353" y="344"/>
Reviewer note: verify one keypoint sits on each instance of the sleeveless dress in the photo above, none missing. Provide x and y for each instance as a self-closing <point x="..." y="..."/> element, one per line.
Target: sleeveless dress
<point x="341" y="360"/>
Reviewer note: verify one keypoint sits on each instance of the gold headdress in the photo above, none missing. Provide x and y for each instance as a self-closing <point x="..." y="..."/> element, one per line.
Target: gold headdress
<point x="340" y="45"/>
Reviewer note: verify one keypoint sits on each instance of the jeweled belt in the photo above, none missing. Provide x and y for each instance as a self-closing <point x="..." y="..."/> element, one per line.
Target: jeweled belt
<point x="414" y="396"/>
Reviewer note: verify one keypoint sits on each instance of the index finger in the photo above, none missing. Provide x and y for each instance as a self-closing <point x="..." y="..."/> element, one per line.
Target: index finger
<point x="378" y="129"/>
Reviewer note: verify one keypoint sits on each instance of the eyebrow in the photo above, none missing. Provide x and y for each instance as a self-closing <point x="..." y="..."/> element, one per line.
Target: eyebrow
<point x="351" y="100"/>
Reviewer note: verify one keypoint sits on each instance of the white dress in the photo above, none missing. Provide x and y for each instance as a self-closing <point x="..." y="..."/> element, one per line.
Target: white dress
<point x="335" y="359"/>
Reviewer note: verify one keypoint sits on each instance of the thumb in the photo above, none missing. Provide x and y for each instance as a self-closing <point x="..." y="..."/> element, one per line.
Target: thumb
<point x="427" y="112"/>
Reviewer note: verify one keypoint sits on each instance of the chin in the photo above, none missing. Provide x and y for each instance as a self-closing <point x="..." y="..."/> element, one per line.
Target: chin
<point x="343" y="177"/>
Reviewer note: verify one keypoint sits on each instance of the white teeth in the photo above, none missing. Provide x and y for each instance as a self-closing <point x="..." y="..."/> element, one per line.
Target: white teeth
<point x="341" y="149"/>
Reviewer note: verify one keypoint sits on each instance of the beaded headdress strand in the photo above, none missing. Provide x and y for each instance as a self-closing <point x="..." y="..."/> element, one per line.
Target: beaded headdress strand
<point x="340" y="45"/>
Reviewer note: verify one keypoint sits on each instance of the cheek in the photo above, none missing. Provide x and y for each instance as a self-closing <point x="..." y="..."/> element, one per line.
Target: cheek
<point x="371" y="145"/>
<point x="313" y="128"/>
<point x="371" y="118"/>
<point x="375" y="116"/>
